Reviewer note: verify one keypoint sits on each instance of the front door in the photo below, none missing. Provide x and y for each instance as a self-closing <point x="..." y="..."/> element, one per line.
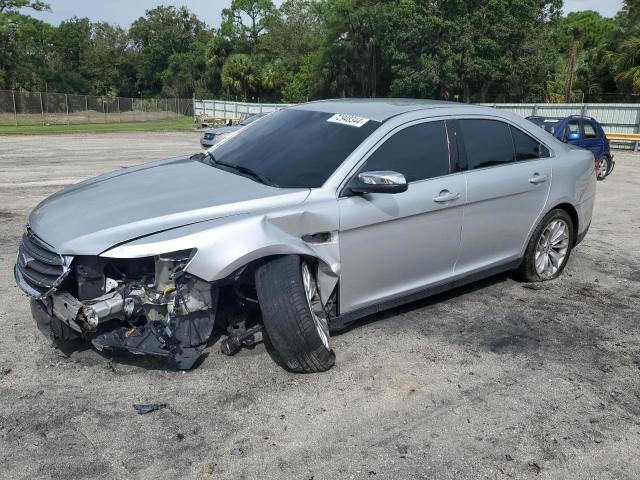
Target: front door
<point x="396" y="244"/>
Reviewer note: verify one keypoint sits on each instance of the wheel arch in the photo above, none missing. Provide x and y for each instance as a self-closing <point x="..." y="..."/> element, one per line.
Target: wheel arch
<point x="562" y="205"/>
<point x="573" y="214"/>
<point x="327" y="272"/>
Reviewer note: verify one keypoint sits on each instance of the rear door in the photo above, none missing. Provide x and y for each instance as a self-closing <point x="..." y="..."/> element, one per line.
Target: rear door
<point x="392" y="245"/>
<point x="508" y="178"/>
<point x="573" y="127"/>
<point x="592" y="140"/>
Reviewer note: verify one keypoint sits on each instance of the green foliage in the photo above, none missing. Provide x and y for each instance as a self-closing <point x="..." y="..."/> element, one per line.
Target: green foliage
<point x="162" y="33"/>
<point x="7" y="6"/>
<point x="24" y="43"/>
<point x="245" y="21"/>
<point x="622" y="55"/>
<point x="471" y="50"/>
<point x="241" y="75"/>
<point x="626" y="64"/>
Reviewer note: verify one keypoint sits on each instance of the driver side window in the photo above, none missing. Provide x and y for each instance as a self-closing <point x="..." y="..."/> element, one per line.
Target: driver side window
<point x="419" y="152"/>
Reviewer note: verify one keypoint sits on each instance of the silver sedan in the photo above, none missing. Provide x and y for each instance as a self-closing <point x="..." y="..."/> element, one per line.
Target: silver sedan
<point x="211" y="136"/>
<point x="301" y="224"/>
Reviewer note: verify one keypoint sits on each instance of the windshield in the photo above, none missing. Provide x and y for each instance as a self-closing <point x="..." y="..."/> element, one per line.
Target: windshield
<point x="250" y="119"/>
<point x="549" y="124"/>
<point x="293" y="148"/>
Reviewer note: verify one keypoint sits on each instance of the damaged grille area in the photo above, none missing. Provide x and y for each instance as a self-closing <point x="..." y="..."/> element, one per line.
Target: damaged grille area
<point x="39" y="270"/>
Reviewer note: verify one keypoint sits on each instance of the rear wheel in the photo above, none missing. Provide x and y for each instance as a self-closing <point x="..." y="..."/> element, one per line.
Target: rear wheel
<point x="549" y="248"/>
<point x="295" y="321"/>
<point x="603" y="167"/>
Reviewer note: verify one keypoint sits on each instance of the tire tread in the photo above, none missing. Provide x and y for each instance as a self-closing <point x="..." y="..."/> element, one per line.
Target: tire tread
<point x="287" y="319"/>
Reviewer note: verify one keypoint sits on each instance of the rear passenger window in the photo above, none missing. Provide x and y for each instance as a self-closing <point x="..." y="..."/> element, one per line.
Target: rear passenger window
<point x="527" y="148"/>
<point x="572" y="127"/>
<point x="488" y="143"/>
<point x="418" y="152"/>
<point x="589" y="130"/>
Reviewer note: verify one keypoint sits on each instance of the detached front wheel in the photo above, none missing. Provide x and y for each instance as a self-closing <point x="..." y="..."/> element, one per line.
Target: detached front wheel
<point x="294" y="319"/>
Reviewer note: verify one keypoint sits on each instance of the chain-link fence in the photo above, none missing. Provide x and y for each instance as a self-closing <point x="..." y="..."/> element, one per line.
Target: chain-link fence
<point x="40" y="108"/>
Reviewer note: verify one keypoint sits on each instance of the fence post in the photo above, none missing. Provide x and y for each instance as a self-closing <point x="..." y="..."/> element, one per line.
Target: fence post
<point x="15" y="111"/>
<point x="637" y="149"/>
<point x="41" y="108"/>
<point x="235" y="109"/>
<point x="86" y="108"/>
<point x="66" y="102"/>
<point x="119" y="114"/>
<point x="260" y="103"/>
<point x="104" y="111"/>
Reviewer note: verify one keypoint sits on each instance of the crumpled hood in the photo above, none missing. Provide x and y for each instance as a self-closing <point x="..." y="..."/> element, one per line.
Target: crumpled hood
<point x="97" y="214"/>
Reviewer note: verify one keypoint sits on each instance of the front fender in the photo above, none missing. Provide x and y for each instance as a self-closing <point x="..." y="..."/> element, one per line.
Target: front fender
<point x="224" y="245"/>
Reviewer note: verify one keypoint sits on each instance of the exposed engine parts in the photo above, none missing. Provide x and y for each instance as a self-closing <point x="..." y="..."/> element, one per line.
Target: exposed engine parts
<point x="172" y="321"/>
<point x="157" y="308"/>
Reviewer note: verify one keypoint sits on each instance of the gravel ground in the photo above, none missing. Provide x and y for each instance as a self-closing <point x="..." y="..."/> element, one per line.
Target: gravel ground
<point x="488" y="381"/>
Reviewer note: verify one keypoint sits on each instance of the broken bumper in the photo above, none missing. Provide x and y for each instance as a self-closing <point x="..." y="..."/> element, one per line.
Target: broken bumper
<point x="173" y="321"/>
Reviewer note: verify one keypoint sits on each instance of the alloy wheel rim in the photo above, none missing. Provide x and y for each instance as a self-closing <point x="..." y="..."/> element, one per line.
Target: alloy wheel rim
<point x="315" y="304"/>
<point x="552" y="248"/>
<point x="602" y="167"/>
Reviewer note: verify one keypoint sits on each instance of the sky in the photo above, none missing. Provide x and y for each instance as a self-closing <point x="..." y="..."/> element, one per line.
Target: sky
<point x="124" y="12"/>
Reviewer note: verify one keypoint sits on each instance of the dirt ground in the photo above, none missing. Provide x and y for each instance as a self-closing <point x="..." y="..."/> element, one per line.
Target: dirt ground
<point x="490" y="381"/>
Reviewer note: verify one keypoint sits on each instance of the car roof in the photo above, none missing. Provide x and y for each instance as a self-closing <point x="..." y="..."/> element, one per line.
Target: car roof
<point x="376" y="109"/>
<point x="559" y="119"/>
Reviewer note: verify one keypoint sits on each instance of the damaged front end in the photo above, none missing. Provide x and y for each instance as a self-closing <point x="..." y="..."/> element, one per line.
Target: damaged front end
<point x="145" y="305"/>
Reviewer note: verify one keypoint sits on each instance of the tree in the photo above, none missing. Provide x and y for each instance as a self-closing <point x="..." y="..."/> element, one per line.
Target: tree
<point x="241" y="75"/>
<point x="161" y="33"/>
<point x="626" y="64"/>
<point x="7" y="6"/>
<point x="71" y="55"/>
<point x="294" y="32"/>
<point x="467" y="46"/>
<point x="24" y="51"/>
<point x="630" y="14"/>
<point x="245" y="21"/>
<point x="307" y="49"/>
<point x="623" y="51"/>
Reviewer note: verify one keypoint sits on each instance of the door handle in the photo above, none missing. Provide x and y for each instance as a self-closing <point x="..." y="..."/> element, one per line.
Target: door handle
<point x="446" y="196"/>
<point x="537" y="179"/>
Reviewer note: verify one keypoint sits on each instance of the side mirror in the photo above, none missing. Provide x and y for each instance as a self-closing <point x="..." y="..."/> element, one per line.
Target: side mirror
<point x="573" y="136"/>
<point x="379" y="182"/>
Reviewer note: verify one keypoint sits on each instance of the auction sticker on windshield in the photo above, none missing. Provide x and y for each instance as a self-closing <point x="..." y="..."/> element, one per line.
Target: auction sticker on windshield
<point x="351" y="120"/>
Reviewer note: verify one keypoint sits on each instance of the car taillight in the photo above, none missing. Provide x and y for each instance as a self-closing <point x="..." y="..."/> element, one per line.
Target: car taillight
<point x="595" y="167"/>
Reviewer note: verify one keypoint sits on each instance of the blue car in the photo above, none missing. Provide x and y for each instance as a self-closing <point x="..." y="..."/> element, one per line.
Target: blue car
<point x="583" y="132"/>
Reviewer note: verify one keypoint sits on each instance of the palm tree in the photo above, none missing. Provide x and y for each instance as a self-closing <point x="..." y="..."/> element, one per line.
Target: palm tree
<point x="625" y="63"/>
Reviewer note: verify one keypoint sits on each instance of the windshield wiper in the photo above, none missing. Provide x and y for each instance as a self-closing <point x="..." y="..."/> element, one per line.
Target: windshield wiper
<point x="246" y="170"/>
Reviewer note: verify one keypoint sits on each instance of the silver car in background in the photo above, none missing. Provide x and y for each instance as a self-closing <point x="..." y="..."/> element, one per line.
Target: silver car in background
<point x="211" y="136"/>
<point x="302" y="223"/>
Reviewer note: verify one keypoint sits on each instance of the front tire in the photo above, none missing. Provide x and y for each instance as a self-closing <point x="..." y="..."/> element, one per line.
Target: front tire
<point x="294" y="320"/>
<point x="549" y="248"/>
